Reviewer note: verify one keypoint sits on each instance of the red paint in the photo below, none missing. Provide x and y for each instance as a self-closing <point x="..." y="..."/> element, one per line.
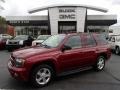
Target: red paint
<point x="2" y="44"/>
<point x="62" y="61"/>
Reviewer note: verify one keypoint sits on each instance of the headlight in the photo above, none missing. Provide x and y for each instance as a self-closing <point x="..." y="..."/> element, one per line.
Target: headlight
<point x="21" y="42"/>
<point x="19" y="62"/>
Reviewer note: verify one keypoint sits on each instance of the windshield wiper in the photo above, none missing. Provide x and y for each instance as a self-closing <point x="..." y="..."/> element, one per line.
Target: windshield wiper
<point x="44" y="45"/>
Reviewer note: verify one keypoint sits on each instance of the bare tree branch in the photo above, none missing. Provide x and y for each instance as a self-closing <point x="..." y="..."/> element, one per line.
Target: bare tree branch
<point x="1" y="8"/>
<point x="2" y="0"/>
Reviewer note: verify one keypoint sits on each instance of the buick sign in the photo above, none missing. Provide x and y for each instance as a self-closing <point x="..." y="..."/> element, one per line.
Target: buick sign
<point x="67" y="13"/>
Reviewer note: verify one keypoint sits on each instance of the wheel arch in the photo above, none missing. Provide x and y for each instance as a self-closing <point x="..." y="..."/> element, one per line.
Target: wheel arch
<point x="49" y="62"/>
<point x="104" y="55"/>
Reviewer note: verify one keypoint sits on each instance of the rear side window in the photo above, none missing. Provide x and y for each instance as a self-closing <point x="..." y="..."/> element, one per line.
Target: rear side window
<point x="74" y="42"/>
<point x="100" y="39"/>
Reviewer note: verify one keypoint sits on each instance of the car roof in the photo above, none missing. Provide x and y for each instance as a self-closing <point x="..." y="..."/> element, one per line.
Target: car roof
<point x="114" y="35"/>
<point x="82" y="33"/>
<point x="44" y="35"/>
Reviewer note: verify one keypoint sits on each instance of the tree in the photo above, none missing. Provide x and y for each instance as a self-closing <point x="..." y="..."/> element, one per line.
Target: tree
<point x="2" y="25"/>
<point x="1" y="6"/>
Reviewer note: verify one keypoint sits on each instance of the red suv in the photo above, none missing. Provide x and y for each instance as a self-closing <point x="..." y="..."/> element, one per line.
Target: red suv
<point x="58" y="55"/>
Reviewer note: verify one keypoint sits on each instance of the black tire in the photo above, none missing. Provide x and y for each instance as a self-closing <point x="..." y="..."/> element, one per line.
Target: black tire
<point x="99" y="66"/>
<point x="34" y="75"/>
<point x="117" y="50"/>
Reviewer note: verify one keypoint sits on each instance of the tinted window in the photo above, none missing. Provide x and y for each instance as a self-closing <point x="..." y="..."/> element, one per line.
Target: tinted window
<point x="89" y="40"/>
<point x="100" y="39"/>
<point x="43" y="37"/>
<point x="54" y="40"/>
<point x="74" y="42"/>
<point x="21" y="37"/>
<point x="5" y="35"/>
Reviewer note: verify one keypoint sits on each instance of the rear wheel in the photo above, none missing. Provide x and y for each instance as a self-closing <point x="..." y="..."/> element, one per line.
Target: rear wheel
<point x="100" y="64"/>
<point x="41" y="75"/>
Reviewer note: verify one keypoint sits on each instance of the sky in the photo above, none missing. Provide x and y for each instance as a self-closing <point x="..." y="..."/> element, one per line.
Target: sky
<point x="21" y="7"/>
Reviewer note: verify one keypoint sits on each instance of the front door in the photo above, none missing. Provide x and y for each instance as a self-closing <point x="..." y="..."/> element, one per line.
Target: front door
<point x="71" y="59"/>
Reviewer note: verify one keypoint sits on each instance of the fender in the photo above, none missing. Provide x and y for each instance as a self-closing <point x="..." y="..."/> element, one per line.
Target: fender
<point x="41" y="59"/>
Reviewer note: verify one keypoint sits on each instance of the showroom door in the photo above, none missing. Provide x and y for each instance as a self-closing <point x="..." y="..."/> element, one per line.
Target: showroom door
<point x="66" y="27"/>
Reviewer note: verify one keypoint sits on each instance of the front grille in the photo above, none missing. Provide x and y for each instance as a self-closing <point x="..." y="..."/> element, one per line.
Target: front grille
<point x="12" y="59"/>
<point x="13" y="42"/>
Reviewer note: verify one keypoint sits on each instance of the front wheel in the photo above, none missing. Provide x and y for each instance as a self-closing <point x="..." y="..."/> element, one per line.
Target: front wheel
<point x="100" y="64"/>
<point x="41" y="75"/>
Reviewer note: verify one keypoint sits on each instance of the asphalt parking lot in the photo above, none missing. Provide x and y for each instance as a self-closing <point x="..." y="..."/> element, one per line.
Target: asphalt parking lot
<point x="109" y="79"/>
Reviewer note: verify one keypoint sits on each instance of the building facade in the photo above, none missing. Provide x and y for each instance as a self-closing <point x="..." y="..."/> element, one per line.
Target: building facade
<point x="62" y="19"/>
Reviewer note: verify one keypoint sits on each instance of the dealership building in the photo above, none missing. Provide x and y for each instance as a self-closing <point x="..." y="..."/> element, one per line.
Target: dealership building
<point x="62" y="19"/>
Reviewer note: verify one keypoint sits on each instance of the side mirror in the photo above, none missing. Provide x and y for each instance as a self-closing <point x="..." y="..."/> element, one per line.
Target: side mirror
<point x="65" y="47"/>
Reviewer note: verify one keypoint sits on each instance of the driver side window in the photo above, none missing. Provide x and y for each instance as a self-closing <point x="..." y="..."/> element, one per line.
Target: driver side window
<point x="74" y="42"/>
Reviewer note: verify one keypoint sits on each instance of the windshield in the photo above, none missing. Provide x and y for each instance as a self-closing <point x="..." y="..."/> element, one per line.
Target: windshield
<point x="21" y="37"/>
<point x="43" y="37"/>
<point x="54" y="40"/>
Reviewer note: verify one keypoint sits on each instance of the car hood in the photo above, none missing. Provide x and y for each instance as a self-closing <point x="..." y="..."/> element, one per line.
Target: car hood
<point x="29" y="52"/>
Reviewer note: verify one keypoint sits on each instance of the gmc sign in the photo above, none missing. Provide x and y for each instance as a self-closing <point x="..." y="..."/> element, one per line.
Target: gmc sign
<point x="67" y="13"/>
<point x="69" y="16"/>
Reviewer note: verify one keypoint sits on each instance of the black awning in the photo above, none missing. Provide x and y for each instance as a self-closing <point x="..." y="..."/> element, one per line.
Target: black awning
<point x="101" y="22"/>
<point x="27" y="22"/>
<point x="45" y="22"/>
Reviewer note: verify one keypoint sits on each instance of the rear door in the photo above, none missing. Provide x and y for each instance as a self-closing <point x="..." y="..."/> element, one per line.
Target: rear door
<point x="89" y="49"/>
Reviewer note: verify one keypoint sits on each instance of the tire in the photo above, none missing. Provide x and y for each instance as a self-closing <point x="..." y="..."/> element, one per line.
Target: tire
<point x="41" y="75"/>
<point x="117" y="50"/>
<point x="100" y="64"/>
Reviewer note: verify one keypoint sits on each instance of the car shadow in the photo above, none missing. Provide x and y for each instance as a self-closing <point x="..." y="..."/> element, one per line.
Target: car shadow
<point x="15" y="84"/>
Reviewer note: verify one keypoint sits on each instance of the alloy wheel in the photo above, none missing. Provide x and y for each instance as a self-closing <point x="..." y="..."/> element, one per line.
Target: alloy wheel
<point x="43" y="76"/>
<point x="101" y="63"/>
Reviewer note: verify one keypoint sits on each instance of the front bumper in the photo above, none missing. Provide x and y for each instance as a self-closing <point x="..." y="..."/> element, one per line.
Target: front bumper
<point x="18" y="73"/>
